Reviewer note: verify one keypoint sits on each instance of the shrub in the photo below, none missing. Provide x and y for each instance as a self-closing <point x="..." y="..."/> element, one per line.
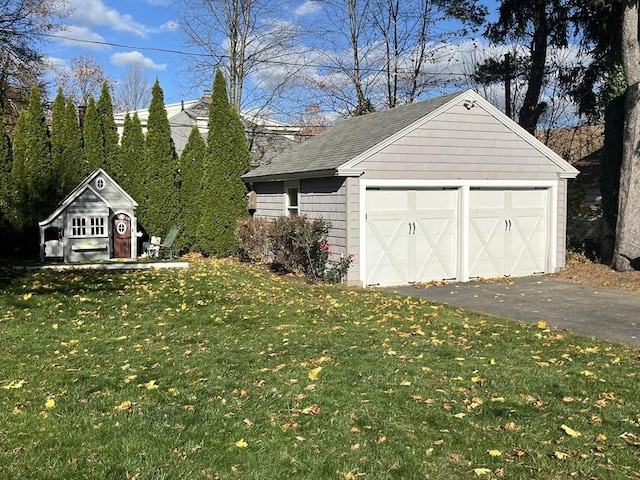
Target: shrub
<point x="252" y="238"/>
<point x="293" y="244"/>
<point x="336" y="271"/>
<point x="297" y="245"/>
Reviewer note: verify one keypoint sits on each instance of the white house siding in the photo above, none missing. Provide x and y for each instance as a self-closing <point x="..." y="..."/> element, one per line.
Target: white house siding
<point x="461" y="144"/>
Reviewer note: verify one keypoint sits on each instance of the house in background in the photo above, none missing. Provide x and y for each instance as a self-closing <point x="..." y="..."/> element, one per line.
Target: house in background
<point x="96" y="221"/>
<point x="445" y="189"/>
<point x="266" y="137"/>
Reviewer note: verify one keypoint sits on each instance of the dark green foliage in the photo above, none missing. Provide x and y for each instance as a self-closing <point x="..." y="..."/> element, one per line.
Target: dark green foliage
<point x="160" y="209"/>
<point x="78" y="169"/>
<point x="223" y="199"/>
<point x="5" y="182"/>
<point x="108" y="129"/>
<point x="129" y="171"/>
<point x="611" y="160"/>
<point x="32" y="176"/>
<point x="67" y="155"/>
<point x="191" y="187"/>
<point x="92" y="136"/>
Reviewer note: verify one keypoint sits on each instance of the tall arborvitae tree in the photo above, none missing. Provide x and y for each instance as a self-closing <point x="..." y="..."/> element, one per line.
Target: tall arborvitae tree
<point x="67" y="155"/>
<point x="92" y="136"/>
<point x="226" y="161"/>
<point x="160" y="172"/>
<point x="108" y="128"/>
<point x="191" y="187"/>
<point x="5" y="183"/>
<point x="130" y="172"/>
<point x="58" y="140"/>
<point x="32" y="178"/>
<point x="78" y="169"/>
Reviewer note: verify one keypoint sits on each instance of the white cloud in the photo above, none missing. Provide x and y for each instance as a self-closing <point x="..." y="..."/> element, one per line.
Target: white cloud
<point x="122" y="59"/>
<point x="169" y="26"/>
<point x="74" y="36"/>
<point x="309" y="7"/>
<point x="95" y="13"/>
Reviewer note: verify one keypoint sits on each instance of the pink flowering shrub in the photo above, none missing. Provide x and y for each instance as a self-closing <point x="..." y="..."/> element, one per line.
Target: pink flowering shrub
<point x="292" y="244"/>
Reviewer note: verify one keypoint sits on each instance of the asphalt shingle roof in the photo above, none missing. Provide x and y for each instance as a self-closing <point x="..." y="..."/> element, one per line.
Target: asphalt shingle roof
<point x="346" y="140"/>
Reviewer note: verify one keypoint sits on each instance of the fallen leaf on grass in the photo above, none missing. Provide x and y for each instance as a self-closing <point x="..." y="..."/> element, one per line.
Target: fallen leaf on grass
<point x="50" y="403"/>
<point x="241" y="443"/>
<point x="125" y="406"/>
<point x="560" y="455"/>
<point x="313" y="374"/>
<point x="14" y="384"/>
<point x="150" y="385"/>
<point x="312" y="410"/>
<point x="570" y="431"/>
<point x="481" y="471"/>
<point x="494" y="453"/>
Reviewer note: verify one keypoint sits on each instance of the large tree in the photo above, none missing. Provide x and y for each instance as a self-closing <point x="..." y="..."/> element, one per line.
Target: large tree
<point x="383" y="52"/>
<point x="108" y="127"/>
<point x="5" y="177"/>
<point x="226" y="161"/>
<point x="130" y="168"/>
<point x="67" y="155"/>
<point x="32" y="176"/>
<point x="539" y="25"/>
<point x="192" y="188"/>
<point x="242" y="38"/>
<point x="160" y="209"/>
<point x="93" y="137"/>
<point x="627" y="249"/>
<point x="134" y="88"/>
<point x="22" y="22"/>
<point x="83" y="77"/>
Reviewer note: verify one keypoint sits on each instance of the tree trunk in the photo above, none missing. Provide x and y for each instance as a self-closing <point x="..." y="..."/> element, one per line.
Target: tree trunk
<point x="626" y="256"/>
<point x="531" y="109"/>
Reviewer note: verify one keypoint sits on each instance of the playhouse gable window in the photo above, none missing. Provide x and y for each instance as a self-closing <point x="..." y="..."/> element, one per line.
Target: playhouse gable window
<point x="88" y="226"/>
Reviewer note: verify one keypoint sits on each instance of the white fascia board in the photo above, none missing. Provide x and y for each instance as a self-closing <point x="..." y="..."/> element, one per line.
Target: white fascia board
<point x="351" y="164"/>
<point x="454" y="183"/>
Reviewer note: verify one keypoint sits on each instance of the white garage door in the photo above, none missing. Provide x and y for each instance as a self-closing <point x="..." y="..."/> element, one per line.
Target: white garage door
<point x="411" y="235"/>
<point x="508" y="232"/>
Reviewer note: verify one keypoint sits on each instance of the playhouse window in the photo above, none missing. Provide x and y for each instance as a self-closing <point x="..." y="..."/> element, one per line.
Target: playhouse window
<point x="88" y="226"/>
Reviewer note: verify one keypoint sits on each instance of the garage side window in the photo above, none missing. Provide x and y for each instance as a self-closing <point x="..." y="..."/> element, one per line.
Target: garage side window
<point x="293" y="201"/>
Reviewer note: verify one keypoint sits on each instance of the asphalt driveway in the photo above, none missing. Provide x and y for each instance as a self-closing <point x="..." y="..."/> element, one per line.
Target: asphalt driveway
<point x="605" y="314"/>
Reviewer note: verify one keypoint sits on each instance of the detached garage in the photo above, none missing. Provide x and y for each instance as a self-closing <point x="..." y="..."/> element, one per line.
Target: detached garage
<point x="445" y="189"/>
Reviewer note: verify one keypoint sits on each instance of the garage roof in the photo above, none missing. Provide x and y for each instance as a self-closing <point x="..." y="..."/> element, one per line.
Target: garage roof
<point x="339" y="149"/>
<point x="345" y="140"/>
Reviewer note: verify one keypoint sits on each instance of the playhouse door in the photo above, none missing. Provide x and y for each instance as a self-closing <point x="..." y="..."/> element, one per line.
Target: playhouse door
<point x="122" y="236"/>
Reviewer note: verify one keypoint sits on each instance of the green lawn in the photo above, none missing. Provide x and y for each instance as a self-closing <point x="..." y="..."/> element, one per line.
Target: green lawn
<point x="226" y="371"/>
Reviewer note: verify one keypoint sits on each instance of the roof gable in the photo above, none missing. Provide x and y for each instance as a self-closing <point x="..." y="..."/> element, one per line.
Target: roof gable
<point x="84" y="188"/>
<point x="340" y="149"/>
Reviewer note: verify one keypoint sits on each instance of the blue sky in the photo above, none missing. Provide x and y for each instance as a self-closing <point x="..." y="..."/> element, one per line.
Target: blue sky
<point x="119" y="32"/>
